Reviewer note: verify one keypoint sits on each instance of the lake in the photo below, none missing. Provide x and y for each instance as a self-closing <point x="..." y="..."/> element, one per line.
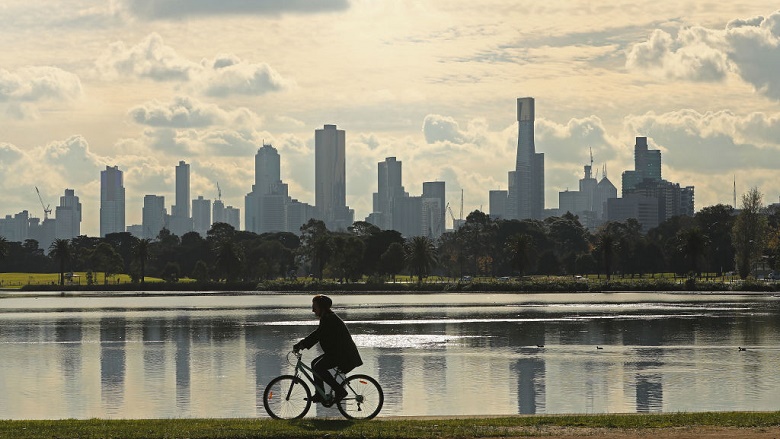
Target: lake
<point x="210" y="355"/>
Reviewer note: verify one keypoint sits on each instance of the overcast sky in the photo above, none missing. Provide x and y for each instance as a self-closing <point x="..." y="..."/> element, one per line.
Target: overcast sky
<point x="143" y="84"/>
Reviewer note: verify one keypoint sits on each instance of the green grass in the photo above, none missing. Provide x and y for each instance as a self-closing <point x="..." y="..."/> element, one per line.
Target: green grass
<point x="18" y="280"/>
<point x="378" y="428"/>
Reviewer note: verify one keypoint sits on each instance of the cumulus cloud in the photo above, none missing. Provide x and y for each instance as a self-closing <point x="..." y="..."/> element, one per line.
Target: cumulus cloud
<point x="150" y="58"/>
<point x="754" y="47"/>
<point x="35" y="84"/>
<point x="9" y="155"/>
<point x="186" y="112"/>
<point x="222" y="76"/>
<point x="748" y="47"/>
<point x="175" y="9"/>
<point x="73" y="159"/>
<point x="696" y="54"/>
<point x="437" y="128"/>
<point x="712" y="142"/>
<point x="228" y="75"/>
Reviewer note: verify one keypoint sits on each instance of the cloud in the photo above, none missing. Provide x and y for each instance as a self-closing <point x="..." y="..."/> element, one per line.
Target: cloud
<point x="9" y="155"/>
<point x="712" y="142"/>
<point x="228" y="75"/>
<point x="73" y="159"/>
<point x="696" y="54"/>
<point x="437" y="128"/>
<point x="150" y="58"/>
<point x="176" y="9"/>
<point x="750" y="48"/>
<point x="36" y="84"/>
<point x="186" y="112"/>
<point x="755" y="49"/>
<point x="223" y="76"/>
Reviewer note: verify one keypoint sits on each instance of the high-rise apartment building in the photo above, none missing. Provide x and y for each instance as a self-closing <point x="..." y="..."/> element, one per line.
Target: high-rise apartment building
<point x="433" y="209"/>
<point x="526" y="186"/>
<point x="647" y="166"/>
<point x="68" y="216"/>
<point x="154" y="215"/>
<point x="112" y="201"/>
<point x="497" y="204"/>
<point x="218" y="212"/>
<point x="643" y="186"/>
<point x="181" y="221"/>
<point x="201" y="215"/>
<point x="330" y="185"/>
<point x="389" y="189"/>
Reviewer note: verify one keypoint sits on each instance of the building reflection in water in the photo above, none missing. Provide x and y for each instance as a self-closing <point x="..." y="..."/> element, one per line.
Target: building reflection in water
<point x="183" y="342"/>
<point x="530" y="385"/>
<point x="112" y="363"/>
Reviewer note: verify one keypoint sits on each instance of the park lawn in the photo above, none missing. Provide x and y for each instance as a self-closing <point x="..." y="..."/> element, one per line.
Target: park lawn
<point x="657" y="425"/>
<point x="17" y="280"/>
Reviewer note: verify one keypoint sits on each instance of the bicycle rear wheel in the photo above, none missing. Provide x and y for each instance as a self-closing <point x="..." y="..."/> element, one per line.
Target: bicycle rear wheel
<point x="287" y="397"/>
<point x="364" y="398"/>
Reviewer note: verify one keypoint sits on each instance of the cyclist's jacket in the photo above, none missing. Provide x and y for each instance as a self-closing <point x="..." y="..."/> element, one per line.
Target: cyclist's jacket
<point x="335" y="341"/>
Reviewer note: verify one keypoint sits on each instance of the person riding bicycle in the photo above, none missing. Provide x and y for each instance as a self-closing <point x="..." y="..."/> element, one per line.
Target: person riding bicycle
<point x="336" y="343"/>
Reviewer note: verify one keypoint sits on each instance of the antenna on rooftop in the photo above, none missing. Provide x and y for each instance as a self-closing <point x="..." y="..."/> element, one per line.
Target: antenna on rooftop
<point x="219" y="192"/>
<point x="735" y="191"/>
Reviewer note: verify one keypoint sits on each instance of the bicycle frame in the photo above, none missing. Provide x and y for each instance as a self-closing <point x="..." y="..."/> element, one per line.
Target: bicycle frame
<point x="302" y="368"/>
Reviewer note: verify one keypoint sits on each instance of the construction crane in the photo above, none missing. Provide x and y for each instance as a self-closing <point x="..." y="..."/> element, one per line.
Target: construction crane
<point x="46" y="209"/>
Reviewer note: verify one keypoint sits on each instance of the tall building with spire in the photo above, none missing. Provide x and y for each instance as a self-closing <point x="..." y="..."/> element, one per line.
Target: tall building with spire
<point x="525" y="199"/>
<point x="330" y="178"/>
<point x="112" y="201"/>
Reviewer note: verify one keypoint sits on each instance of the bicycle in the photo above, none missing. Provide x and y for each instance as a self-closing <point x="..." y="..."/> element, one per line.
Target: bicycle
<point x="288" y="396"/>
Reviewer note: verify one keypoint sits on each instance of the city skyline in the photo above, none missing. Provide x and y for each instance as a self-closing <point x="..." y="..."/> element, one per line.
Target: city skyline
<point x="92" y="84"/>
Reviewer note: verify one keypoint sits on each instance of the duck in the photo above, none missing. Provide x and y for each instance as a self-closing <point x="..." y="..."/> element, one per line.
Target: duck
<point x="599" y="347"/>
<point x="741" y="349"/>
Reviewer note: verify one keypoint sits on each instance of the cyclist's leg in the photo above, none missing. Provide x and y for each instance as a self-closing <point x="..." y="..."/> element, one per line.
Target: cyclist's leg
<point x="322" y="365"/>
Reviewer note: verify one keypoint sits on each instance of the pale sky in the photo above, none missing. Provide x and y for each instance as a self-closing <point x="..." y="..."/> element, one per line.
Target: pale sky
<point x="143" y="84"/>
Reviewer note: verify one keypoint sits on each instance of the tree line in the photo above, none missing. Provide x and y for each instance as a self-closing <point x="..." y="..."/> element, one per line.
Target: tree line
<point x="716" y="240"/>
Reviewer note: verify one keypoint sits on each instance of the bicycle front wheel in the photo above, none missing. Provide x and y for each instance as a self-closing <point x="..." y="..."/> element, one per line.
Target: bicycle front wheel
<point x="364" y="398"/>
<point x="287" y="397"/>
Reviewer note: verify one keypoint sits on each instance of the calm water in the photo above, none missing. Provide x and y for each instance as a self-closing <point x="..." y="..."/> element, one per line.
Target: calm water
<point x="440" y="354"/>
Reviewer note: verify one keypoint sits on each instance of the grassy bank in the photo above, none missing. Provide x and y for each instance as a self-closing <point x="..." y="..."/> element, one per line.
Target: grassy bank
<point x="379" y="428"/>
<point x="47" y="282"/>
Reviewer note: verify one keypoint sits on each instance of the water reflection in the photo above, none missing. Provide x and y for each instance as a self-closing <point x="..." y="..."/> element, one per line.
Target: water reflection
<point x="457" y="357"/>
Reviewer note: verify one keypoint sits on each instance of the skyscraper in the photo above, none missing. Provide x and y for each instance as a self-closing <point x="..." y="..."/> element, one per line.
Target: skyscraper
<point x="153" y="216"/>
<point x="330" y="187"/>
<point x="526" y="188"/>
<point x="181" y="221"/>
<point x="182" y="206"/>
<point x="433" y="206"/>
<point x="265" y="206"/>
<point x="68" y="216"/>
<point x="112" y="201"/>
<point x="647" y="166"/>
<point x="389" y="189"/>
<point x="201" y="215"/>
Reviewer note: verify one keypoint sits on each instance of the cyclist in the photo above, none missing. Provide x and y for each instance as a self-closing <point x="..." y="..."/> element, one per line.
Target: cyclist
<point x="336" y="343"/>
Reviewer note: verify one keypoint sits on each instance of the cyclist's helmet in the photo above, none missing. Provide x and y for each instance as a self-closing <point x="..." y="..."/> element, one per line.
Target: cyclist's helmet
<point x="323" y="301"/>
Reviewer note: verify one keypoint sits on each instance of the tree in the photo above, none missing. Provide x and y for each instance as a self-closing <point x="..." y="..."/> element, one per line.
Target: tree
<point x="518" y="249"/>
<point x="692" y="243"/>
<point x="606" y="244"/>
<point x="228" y="261"/>
<point x="717" y="223"/>
<point x="749" y="231"/>
<point x="141" y="254"/>
<point x="347" y="256"/>
<point x="315" y="245"/>
<point x="420" y="256"/>
<point x="60" y="250"/>
<point x="3" y="247"/>
<point x="106" y="259"/>
<point x="201" y="272"/>
<point x="393" y="260"/>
